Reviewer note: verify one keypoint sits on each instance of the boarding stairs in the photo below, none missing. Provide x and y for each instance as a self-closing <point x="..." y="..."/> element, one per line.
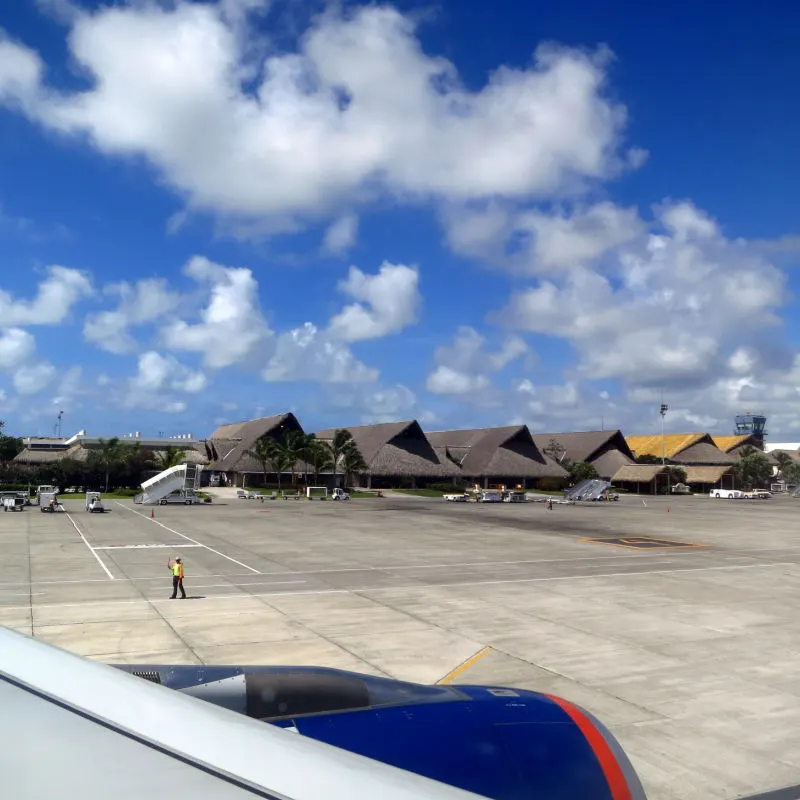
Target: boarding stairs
<point x="182" y="478"/>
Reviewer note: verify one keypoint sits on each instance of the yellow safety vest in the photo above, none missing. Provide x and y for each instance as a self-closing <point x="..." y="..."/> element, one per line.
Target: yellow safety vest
<point x="177" y="570"/>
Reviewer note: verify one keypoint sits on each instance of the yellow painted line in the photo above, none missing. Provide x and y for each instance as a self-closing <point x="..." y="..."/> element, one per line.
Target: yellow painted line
<point x="465" y="665"/>
<point x="620" y="543"/>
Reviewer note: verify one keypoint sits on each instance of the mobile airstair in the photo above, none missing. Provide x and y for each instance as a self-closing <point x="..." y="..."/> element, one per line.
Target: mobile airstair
<point x="182" y="478"/>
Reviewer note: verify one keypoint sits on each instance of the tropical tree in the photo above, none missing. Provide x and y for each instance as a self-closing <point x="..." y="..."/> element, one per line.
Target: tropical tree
<point x="581" y="471"/>
<point x="267" y="452"/>
<point x="10" y="446"/>
<point x="319" y="457"/>
<point x="753" y="467"/>
<point x="791" y="473"/>
<point x="111" y="454"/>
<point x="294" y="448"/>
<point x="648" y="459"/>
<point x="352" y="461"/>
<point x="784" y="461"/>
<point x="171" y="456"/>
<point x="342" y="439"/>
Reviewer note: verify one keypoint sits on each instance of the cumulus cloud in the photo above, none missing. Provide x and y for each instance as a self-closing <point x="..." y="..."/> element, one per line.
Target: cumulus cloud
<point x="231" y="329"/>
<point x="143" y="302"/>
<point x="55" y="295"/>
<point x="307" y="354"/>
<point x="16" y="347"/>
<point x="358" y="109"/>
<point x="33" y="378"/>
<point x="537" y="242"/>
<point x="463" y="368"/>
<point x="389" y="302"/>
<point x="341" y="235"/>
<point x="158" y="379"/>
<point x="670" y="308"/>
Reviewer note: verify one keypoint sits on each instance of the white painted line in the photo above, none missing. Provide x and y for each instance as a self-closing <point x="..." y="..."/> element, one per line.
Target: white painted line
<point x="147" y="546"/>
<point x="193" y="585"/>
<point x="188" y="538"/>
<point x="91" y="549"/>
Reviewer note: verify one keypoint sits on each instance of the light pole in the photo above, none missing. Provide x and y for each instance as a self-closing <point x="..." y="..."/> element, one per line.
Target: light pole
<point x="663" y="412"/>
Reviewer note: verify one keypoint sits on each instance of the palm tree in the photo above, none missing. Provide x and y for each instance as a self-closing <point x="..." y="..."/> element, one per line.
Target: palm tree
<point x="753" y="467"/>
<point x="112" y="453"/>
<point x="784" y="462"/>
<point x="171" y="456"/>
<point x="319" y="456"/>
<point x="337" y="446"/>
<point x="352" y="461"/>
<point x="268" y="453"/>
<point x="295" y="448"/>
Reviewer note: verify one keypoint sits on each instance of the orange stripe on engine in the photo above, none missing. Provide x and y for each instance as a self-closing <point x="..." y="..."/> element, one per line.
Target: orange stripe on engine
<point x="608" y="763"/>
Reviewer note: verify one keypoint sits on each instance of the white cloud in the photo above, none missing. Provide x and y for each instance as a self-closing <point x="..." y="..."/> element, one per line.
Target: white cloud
<point x="16" y="347"/>
<point x="157" y="380"/>
<point x="671" y="308"/>
<point x="157" y="372"/>
<point x="307" y="354"/>
<point x="232" y="329"/>
<point x="535" y="242"/>
<point x="143" y="302"/>
<point x="359" y="109"/>
<point x="341" y="235"/>
<point x="55" y="296"/>
<point x="463" y="367"/>
<point x="33" y="378"/>
<point x="446" y="380"/>
<point x="390" y="302"/>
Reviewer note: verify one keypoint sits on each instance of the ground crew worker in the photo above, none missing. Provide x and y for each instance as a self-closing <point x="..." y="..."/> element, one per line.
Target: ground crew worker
<point x="177" y="578"/>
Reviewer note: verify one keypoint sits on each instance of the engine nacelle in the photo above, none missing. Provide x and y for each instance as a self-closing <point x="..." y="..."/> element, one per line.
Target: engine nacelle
<point x="502" y="743"/>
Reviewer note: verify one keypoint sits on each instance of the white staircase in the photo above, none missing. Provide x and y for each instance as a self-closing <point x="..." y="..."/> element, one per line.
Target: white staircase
<point x="184" y="477"/>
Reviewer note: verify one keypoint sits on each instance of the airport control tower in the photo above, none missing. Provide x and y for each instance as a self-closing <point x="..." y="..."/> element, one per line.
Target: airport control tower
<point x="752" y="425"/>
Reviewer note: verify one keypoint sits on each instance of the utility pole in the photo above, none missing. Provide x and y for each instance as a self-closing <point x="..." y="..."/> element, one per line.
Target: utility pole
<point x="663" y="412"/>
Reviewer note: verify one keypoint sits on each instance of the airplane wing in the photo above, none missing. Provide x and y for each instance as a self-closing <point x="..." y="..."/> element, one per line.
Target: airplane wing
<point x="76" y="728"/>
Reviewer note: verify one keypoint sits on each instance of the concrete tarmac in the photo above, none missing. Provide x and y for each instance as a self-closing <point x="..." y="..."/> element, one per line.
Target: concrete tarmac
<point x="690" y="653"/>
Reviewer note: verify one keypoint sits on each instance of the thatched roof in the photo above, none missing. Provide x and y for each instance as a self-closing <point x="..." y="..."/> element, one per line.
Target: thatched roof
<point x="80" y="451"/>
<point x="680" y="448"/>
<point x="772" y="456"/>
<point x="728" y="443"/>
<point x="637" y="473"/>
<point x="673" y="443"/>
<point x="610" y="462"/>
<point x="397" y="448"/>
<point x="228" y="445"/>
<point x="704" y="452"/>
<point x="498" y="452"/>
<point x="706" y="474"/>
<point x="606" y="451"/>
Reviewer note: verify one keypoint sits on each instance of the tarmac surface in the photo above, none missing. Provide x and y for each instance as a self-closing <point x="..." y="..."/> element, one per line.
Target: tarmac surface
<point x="689" y="654"/>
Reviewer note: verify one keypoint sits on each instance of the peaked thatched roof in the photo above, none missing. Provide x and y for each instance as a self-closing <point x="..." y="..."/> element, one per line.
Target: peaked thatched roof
<point x="704" y="452"/>
<point x="706" y="474"/>
<point x="606" y="451"/>
<point x="499" y="452"/>
<point x="681" y="448"/>
<point x="397" y="448"/>
<point x="228" y="445"/>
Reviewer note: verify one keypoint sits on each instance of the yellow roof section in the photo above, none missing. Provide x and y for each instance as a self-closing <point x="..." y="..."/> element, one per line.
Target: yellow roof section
<point x="651" y="445"/>
<point x="726" y="443"/>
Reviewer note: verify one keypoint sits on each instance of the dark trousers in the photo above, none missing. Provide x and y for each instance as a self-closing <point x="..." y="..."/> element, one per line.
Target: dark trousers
<point x="177" y="583"/>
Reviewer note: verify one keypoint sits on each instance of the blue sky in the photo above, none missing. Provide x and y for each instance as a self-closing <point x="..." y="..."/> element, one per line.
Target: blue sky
<point x="464" y="213"/>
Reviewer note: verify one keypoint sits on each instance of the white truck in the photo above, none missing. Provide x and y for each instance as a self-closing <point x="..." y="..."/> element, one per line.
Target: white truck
<point x="48" y="501"/>
<point x="45" y="489"/>
<point x="726" y="494"/>
<point x="339" y="494"/>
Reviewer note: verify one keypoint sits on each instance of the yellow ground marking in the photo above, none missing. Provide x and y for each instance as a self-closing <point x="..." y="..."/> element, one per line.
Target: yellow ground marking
<point x="465" y="665"/>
